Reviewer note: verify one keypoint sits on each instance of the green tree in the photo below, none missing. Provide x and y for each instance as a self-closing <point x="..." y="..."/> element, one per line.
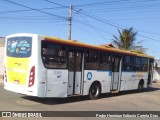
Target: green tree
<point x="127" y="41"/>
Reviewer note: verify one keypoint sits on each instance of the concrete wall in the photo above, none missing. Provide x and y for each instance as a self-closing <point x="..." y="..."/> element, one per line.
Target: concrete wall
<point x="1" y="56"/>
<point x="1" y="61"/>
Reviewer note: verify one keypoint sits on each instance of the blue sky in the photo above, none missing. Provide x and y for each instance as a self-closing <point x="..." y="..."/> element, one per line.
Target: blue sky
<point x="94" y="22"/>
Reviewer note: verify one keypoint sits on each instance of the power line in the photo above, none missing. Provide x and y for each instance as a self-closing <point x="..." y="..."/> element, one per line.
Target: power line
<point x="101" y="20"/>
<point x="57" y="4"/>
<point x="62" y="6"/>
<point x="36" y="10"/>
<point x="146" y="6"/>
<point x="84" y="14"/>
<point x="96" y="18"/>
<point x="93" y="27"/>
<point x="130" y="7"/>
<point x="91" y="16"/>
<point x="124" y="8"/>
<point x="115" y="2"/>
<point x="141" y="30"/>
<point x="15" y="11"/>
<point x="101" y="3"/>
<point x="149" y="38"/>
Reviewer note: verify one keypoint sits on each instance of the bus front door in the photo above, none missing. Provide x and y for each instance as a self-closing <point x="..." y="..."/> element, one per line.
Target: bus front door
<point x="116" y="72"/>
<point x="75" y="71"/>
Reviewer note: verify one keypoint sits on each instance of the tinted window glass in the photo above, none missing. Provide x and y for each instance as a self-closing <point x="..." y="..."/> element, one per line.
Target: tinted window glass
<point x="128" y="59"/>
<point x="74" y="60"/>
<point x="19" y="47"/>
<point x="144" y="64"/>
<point x="138" y="61"/>
<point x="127" y="63"/>
<point x="53" y="55"/>
<point x="137" y="64"/>
<point x="105" y="61"/>
<point x="92" y="60"/>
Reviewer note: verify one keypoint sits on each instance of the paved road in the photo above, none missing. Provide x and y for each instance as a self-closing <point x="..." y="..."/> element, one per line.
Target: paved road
<point x="124" y="101"/>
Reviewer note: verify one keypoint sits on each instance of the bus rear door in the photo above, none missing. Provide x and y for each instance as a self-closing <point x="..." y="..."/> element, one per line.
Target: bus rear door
<point x="116" y="72"/>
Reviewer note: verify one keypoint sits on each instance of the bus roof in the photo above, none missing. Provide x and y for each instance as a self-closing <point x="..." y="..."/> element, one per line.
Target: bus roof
<point x="84" y="45"/>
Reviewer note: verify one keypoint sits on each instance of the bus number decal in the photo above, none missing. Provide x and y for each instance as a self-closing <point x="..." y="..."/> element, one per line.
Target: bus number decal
<point x="58" y="74"/>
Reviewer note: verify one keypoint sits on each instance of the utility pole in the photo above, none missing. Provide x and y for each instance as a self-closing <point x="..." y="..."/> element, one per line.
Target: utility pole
<point x="70" y="22"/>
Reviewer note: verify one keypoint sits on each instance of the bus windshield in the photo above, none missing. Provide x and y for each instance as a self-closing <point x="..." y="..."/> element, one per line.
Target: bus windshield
<point x="19" y="47"/>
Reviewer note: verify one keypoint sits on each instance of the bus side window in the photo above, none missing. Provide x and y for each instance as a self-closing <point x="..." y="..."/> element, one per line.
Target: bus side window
<point x="137" y="63"/>
<point x="127" y="63"/>
<point x="105" y="61"/>
<point x="92" y="60"/>
<point x="54" y="55"/>
<point x="144" y="64"/>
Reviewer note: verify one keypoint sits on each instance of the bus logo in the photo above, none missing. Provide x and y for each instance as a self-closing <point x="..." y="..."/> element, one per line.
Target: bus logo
<point x="89" y="75"/>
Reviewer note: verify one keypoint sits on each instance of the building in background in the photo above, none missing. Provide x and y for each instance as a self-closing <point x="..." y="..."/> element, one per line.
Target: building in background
<point x="2" y="41"/>
<point x="110" y="45"/>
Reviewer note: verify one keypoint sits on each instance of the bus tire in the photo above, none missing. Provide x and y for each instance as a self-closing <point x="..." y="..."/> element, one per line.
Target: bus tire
<point x="140" y="86"/>
<point x="95" y="91"/>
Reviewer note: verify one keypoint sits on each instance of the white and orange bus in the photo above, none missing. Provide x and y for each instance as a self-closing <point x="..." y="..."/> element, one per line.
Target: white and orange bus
<point x="51" y="67"/>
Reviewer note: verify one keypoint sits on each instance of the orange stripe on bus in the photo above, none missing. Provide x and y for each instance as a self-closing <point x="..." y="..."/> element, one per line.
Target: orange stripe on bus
<point x="79" y="44"/>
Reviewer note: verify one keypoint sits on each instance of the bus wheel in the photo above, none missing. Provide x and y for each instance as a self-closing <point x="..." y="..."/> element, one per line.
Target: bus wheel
<point x="95" y="91"/>
<point x="140" y="86"/>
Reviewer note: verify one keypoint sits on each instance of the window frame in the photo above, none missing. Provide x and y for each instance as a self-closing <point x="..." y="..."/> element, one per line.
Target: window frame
<point x="55" y="45"/>
<point x="92" y="62"/>
<point x="127" y="66"/>
<point x="144" y="66"/>
<point x="102" y="61"/>
<point x="17" y="46"/>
